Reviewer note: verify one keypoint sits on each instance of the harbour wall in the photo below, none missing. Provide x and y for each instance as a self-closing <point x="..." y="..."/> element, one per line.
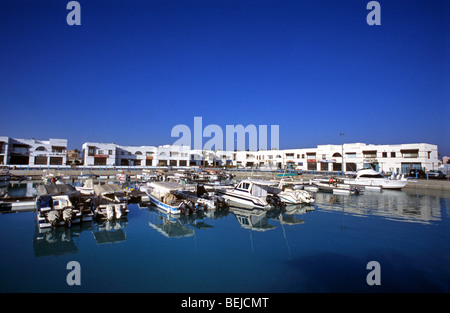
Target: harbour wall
<point x="434" y="184"/>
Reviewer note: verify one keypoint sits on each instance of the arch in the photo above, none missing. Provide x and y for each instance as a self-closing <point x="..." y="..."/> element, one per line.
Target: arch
<point x="40" y="148"/>
<point x="336" y="155"/>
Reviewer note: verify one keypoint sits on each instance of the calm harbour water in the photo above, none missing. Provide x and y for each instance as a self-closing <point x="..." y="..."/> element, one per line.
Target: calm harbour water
<point x="301" y="250"/>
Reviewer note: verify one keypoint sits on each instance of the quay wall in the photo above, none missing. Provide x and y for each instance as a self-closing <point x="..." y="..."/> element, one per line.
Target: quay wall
<point x="434" y="184"/>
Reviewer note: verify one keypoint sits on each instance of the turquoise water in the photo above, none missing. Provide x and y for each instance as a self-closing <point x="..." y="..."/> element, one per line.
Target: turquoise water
<point x="325" y="249"/>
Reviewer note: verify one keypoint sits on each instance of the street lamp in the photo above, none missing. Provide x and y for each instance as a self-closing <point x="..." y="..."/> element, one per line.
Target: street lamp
<point x="342" y="134"/>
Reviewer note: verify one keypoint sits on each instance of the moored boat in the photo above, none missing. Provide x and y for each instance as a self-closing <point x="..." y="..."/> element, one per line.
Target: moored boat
<point x="61" y="204"/>
<point x="369" y="177"/>
<point x="111" y="202"/>
<point x="252" y="193"/>
<point x="170" y="197"/>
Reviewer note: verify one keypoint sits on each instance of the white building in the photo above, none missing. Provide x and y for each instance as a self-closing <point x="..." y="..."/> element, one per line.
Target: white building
<point x="327" y="158"/>
<point x="111" y="154"/>
<point x="31" y="152"/>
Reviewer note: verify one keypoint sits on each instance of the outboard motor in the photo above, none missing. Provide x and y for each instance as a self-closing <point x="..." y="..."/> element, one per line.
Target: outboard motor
<point x="67" y="214"/>
<point x="118" y="211"/>
<point x="109" y="212"/>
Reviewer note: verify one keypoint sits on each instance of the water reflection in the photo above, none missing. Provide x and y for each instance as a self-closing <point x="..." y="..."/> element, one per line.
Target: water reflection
<point x="65" y="240"/>
<point x="110" y="231"/>
<point x="58" y="241"/>
<point x="176" y="226"/>
<point x="408" y="206"/>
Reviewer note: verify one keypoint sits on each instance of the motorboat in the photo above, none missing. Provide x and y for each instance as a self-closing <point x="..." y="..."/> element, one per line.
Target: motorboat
<point x="5" y="176"/>
<point x="147" y="176"/>
<point x="252" y="193"/>
<point x="122" y="177"/>
<point x="173" y="198"/>
<point x="61" y="204"/>
<point x="371" y="178"/>
<point x="111" y="202"/>
<point x="87" y="188"/>
<point x="291" y="195"/>
<point x="336" y="186"/>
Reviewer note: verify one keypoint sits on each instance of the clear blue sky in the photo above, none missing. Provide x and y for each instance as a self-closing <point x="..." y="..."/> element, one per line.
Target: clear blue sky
<point x="135" y="69"/>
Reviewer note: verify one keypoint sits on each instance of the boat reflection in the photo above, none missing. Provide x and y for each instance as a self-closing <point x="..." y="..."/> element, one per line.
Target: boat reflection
<point x="176" y="226"/>
<point x="58" y="241"/>
<point x="408" y="206"/>
<point x="110" y="231"/>
<point x="258" y="219"/>
<point x="65" y="240"/>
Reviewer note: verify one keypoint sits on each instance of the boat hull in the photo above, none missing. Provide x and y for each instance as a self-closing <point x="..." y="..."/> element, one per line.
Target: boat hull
<point x="378" y="182"/>
<point x="164" y="207"/>
<point x="244" y="201"/>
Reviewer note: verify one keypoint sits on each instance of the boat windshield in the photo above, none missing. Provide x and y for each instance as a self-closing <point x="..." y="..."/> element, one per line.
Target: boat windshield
<point x="371" y="176"/>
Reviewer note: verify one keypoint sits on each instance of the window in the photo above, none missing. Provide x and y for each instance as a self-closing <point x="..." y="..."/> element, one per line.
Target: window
<point x="410" y="153"/>
<point x="392" y="154"/>
<point x="384" y="154"/>
<point x="370" y="154"/>
<point x="40" y="160"/>
<point x="351" y="155"/>
<point x="57" y="149"/>
<point x="244" y="186"/>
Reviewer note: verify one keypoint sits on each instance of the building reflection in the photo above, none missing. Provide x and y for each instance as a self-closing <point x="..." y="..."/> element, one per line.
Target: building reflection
<point x="409" y="206"/>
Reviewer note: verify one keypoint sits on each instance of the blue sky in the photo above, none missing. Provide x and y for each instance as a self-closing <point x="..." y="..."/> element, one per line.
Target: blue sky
<point x="135" y="69"/>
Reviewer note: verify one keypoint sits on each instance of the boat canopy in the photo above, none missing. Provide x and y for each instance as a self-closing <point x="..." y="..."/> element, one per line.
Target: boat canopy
<point x="56" y="189"/>
<point x="260" y="188"/>
<point x="369" y="173"/>
<point x="263" y="189"/>
<point x="107" y="188"/>
<point x="167" y="185"/>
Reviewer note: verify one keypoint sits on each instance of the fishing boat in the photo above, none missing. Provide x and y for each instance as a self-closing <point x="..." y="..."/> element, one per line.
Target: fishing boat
<point x="172" y="198"/>
<point x="368" y="177"/>
<point x="252" y="193"/>
<point x="111" y="202"/>
<point x="61" y="205"/>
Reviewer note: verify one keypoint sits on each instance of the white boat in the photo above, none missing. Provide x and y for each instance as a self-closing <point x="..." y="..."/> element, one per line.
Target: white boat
<point x="168" y="197"/>
<point x="5" y="176"/>
<point x="336" y="186"/>
<point x="147" y="176"/>
<point x="369" y="177"/>
<point x="291" y="195"/>
<point x="122" y="177"/>
<point x="111" y="202"/>
<point x="252" y="193"/>
<point x="59" y="205"/>
<point x="87" y="188"/>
